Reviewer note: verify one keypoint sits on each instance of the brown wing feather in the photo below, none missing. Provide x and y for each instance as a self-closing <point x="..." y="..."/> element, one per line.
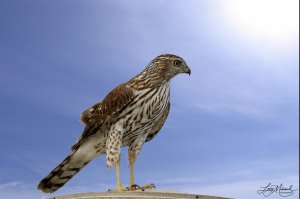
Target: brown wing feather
<point x="101" y="112"/>
<point x="159" y="124"/>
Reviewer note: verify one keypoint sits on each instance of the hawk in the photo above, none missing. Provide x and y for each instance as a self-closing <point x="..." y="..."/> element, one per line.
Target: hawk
<point x="130" y="115"/>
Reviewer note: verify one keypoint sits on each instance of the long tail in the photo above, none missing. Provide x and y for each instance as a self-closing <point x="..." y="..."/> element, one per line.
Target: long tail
<point x="63" y="172"/>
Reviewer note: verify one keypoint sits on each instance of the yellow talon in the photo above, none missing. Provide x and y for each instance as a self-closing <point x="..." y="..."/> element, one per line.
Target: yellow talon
<point x="135" y="187"/>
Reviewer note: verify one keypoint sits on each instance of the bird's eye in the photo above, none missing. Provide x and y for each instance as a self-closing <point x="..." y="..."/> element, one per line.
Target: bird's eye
<point x="177" y="63"/>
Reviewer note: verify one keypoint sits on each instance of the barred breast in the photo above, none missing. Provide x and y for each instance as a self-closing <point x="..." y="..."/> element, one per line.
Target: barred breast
<point x="142" y="113"/>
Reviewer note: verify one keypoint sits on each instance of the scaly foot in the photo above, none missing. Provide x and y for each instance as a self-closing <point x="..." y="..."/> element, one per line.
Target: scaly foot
<point x="136" y="187"/>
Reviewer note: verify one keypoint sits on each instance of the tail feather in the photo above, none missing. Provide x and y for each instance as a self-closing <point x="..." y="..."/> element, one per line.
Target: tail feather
<point x="70" y="166"/>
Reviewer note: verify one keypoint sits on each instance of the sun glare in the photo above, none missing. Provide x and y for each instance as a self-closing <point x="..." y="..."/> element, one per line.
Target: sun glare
<point x="267" y="18"/>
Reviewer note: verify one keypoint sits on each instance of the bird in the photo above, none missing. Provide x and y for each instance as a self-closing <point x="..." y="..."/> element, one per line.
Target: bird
<point x="130" y="115"/>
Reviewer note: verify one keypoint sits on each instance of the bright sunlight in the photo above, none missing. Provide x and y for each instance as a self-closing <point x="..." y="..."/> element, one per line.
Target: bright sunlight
<point x="274" y="19"/>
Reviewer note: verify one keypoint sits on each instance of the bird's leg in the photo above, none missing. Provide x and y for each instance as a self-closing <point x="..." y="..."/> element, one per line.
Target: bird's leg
<point x="134" y="186"/>
<point x="113" y="150"/>
<point x="132" y="174"/>
<point x="131" y="158"/>
<point x="133" y="152"/>
<point x="119" y="185"/>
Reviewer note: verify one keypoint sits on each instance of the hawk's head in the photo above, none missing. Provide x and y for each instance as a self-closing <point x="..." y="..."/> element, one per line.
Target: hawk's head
<point x="168" y="65"/>
<point x="159" y="71"/>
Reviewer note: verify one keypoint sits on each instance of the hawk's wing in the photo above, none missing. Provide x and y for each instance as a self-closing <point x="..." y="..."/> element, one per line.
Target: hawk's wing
<point x="103" y="111"/>
<point x="158" y="125"/>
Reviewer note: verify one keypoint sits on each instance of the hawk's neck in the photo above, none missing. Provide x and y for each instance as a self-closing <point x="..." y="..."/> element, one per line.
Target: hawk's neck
<point x="147" y="80"/>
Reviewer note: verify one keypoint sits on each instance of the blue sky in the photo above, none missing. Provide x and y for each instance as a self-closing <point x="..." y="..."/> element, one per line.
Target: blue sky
<point x="233" y="125"/>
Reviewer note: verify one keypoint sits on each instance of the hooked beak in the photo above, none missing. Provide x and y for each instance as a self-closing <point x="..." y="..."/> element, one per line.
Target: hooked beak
<point x="188" y="70"/>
